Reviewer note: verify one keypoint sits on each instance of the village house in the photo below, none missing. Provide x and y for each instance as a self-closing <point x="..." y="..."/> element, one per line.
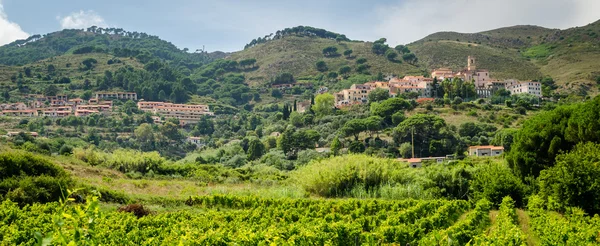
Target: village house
<point x="359" y="93"/>
<point x="196" y="141"/>
<point x="302" y="107"/>
<point x="486" y="150"/>
<point x="12" y="134"/>
<point x="290" y="86"/>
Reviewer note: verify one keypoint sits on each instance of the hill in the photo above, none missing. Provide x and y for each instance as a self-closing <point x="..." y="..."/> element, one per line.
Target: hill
<point x="522" y="52"/>
<point x="298" y="55"/>
<point x="106" y="40"/>
<point x="571" y="56"/>
<point x="64" y="66"/>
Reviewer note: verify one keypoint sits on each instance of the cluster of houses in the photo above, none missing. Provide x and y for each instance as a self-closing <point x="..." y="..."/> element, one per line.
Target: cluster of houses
<point x="55" y="106"/>
<point x="61" y="106"/>
<point x="424" y="88"/>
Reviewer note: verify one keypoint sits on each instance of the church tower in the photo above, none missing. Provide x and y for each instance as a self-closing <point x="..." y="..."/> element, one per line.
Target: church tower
<point x="471" y="64"/>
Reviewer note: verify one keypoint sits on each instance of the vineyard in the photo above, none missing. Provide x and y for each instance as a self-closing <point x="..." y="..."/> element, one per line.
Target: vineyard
<point x="225" y="220"/>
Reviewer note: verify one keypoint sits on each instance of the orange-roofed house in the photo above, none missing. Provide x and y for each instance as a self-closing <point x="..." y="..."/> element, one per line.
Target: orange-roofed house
<point x="414" y="162"/>
<point x="486" y="150"/>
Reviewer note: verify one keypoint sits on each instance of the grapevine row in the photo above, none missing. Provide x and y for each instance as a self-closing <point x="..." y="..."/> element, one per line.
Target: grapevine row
<point x="506" y="231"/>
<point x="573" y="228"/>
<point x="464" y="230"/>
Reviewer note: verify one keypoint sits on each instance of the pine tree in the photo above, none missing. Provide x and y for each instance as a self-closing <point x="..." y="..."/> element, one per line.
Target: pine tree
<point x="286" y="112"/>
<point x="295" y="105"/>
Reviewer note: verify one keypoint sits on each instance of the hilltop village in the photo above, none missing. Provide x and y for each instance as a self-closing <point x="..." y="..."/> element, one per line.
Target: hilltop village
<point x="423" y="87"/>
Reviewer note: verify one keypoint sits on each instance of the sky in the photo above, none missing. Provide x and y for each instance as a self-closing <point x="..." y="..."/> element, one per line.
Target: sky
<point x="227" y="25"/>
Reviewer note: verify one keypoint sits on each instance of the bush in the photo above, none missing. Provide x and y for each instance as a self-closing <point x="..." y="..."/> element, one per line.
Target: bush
<point x="573" y="181"/>
<point x="136" y="209"/>
<point x="26" y="178"/>
<point x="66" y="150"/>
<point x="494" y="181"/>
<point x="357" y="147"/>
<point x="337" y="176"/>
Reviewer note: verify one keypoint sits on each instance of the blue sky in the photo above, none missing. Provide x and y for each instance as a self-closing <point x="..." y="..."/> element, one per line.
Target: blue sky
<point x="228" y="25"/>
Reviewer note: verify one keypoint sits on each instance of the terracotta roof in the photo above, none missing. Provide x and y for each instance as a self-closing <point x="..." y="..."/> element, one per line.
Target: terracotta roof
<point x="18" y="111"/>
<point x="487" y="147"/>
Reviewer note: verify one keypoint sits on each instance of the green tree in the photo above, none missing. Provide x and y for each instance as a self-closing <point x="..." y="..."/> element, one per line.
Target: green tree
<point x="145" y="136"/>
<point x="361" y="60"/>
<point x="27" y="71"/>
<point x="574" y="180"/>
<point x="321" y="66"/>
<point x="348" y="53"/>
<point x="324" y="104"/>
<point x="378" y="95"/>
<point x="171" y="131"/>
<point x="353" y="128"/>
<point x="51" y="69"/>
<point x="411" y="58"/>
<point x="256" y="149"/>
<point x="391" y="55"/>
<point x="544" y="136"/>
<point x="345" y="70"/>
<point x="398" y="117"/>
<point x="379" y="48"/>
<point x="401" y="49"/>
<point x="356" y="147"/>
<point x="330" y="51"/>
<point x="432" y="137"/>
<point x="89" y="63"/>
<point x="336" y="146"/>
<point x="406" y="150"/>
<point x="51" y="90"/>
<point x="385" y="109"/>
<point x="276" y="93"/>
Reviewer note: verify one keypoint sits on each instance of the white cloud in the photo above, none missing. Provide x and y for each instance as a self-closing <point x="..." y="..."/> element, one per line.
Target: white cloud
<point x="82" y="19"/>
<point x="410" y="20"/>
<point x="9" y="31"/>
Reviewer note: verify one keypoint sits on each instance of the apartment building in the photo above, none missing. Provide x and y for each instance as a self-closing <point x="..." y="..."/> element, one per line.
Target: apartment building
<point x="85" y="112"/>
<point x="185" y="113"/>
<point x="19" y="113"/>
<point x="529" y="87"/>
<point x="56" y="113"/>
<point x="97" y="107"/>
<point x="117" y="95"/>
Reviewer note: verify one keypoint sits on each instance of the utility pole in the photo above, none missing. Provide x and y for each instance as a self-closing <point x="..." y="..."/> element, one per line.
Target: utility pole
<point x="413" y="141"/>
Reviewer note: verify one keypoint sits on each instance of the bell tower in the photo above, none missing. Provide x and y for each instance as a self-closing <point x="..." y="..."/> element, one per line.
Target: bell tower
<point x="471" y="64"/>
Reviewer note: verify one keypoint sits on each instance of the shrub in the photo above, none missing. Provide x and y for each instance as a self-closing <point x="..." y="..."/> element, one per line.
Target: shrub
<point x="573" y="180"/>
<point x="494" y="181"/>
<point x="26" y="178"/>
<point x="66" y="150"/>
<point x="337" y="176"/>
<point x="136" y="209"/>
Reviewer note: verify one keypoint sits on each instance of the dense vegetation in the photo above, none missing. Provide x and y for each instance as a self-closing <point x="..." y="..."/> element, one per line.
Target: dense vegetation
<point x="115" y="41"/>
<point x="284" y="166"/>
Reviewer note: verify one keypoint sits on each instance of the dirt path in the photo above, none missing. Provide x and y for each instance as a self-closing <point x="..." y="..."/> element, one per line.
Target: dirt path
<point x="493" y="217"/>
<point x="524" y="224"/>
